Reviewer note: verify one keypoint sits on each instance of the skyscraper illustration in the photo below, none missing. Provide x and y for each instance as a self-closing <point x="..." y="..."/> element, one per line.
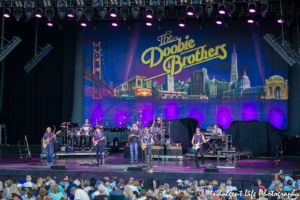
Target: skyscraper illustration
<point x="234" y="73"/>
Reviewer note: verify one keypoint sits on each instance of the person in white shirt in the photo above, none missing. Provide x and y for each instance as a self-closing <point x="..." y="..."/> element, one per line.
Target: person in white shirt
<point x="134" y="188"/>
<point x="230" y="187"/>
<point x="79" y="194"/>
<point x="143" y="195"/>
<point x="28" y="183"/>
<point x="98" y="187"/>
<point x="217" y="129"/>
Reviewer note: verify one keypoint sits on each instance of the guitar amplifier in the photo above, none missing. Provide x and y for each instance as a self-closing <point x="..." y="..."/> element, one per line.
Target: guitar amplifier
<point x="174" y="151"/>
<point x="158" y="150"/>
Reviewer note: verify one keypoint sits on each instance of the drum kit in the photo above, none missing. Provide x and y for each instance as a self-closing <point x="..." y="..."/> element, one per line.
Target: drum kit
<point x="159" y="134"/>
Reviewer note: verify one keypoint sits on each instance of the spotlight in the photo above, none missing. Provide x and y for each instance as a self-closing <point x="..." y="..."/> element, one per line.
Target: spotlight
<point x="125" y="3"/>
<point x="209" y="10"/>
<point x="149" y="13"/>
<point x="252" y="7"/>
<point x="38" y="13"/>
<point x="201" y="22"/>
<point x="135" y="12"/>
<point x="18" y="12"/>
<point x="113" y="12"/>
<point x="231" y="9"/>
<point x="181" y="22"/>
<point x="9" y="47"/>
<point x="49" y="12"/>
<point x="280" y="19"/>
<point x="70" y="13"/>
<point x="79" y="13"/>
<point x="6" y="13"/>
<point x="83" y="23"/>
<point x="98" y="4"/>
<point x="38" y="57"/>
<point x="219" y="20"/>
<point x="222" y="9"/>
<point x="148" y="22"/>
<point x="264" y="9"/>
<point x="250" y="19"/>
<point x="89" y="12"/>
<point x="199" y="11"/>
<point x="50" y="22"/>
<point x="114" y="22"/>
<point x="28" y="5"/>
<point x="160" y="14"/>
<point x="103" y="12"/>
<point x="190" y="11"/>
<point x="154" y="3"/>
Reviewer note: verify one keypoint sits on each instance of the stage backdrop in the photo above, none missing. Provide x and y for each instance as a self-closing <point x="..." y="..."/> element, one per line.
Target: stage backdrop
<point x="214" y="74"/>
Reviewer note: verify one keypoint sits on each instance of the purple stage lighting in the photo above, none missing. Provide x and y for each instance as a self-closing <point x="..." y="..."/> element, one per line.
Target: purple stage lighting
<point x="149" y="14"/>
<point x="219" y="20"/>
<point x="280" y="21"/>
<point x="222" y="10"/>
<point x="148" y="23"/>
<point x="250" y="19"/>
<point x="38" y="15"/>
<point x="190" y="11"/>
<point x="6" y="15"/>
<point x="83" y="24"/>
<point x="49" y="24"/>
<point x="115" y="24"/>
<point x="252" y="8"/>
<point x="181" y="23"/>
<point x="70" y="15"/>
<point x="113" y="13"/>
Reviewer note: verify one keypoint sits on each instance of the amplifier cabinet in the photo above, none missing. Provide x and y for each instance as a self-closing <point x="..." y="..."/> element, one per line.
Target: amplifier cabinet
<point x="174" y="150"/>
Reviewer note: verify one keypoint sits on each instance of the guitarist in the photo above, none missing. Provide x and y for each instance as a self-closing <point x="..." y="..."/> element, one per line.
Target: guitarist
<point x="99" y="136"/>
<point x="198" y="137"/>
<point x="147" y="140"/>
<point x="135" y="134"/>
<point x="49" y="148"/>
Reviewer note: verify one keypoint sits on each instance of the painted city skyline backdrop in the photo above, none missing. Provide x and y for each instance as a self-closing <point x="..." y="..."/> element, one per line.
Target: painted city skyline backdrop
<point x="176" y="73"/>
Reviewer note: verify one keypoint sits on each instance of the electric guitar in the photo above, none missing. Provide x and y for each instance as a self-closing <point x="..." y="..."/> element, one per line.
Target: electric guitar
<point x="197" y="146"/>
<point x="29" y="154"/>
<point x="95" y="143"/>
<point x="144" y="146"/>
<point x="47" y="142"/>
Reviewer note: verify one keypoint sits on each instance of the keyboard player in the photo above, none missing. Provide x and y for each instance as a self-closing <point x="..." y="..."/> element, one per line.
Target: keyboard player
<point x="217" y="131"/>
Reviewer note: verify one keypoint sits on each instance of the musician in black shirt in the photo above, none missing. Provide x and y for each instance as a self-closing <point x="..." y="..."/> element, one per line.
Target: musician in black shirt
<point x="199" y="139"/>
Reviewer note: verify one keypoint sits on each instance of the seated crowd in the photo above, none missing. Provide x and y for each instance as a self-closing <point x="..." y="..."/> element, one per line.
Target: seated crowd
<point x="69" y="189"/>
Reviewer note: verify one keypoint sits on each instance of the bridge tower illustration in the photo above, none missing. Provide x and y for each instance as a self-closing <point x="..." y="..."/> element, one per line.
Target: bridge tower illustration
<point x="97" y="68"/>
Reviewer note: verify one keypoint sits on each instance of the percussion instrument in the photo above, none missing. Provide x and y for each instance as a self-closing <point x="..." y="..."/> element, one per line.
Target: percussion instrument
<point x="71" y="134"/>
<point x="86" y="133"/>
<point x="78" y="133"/>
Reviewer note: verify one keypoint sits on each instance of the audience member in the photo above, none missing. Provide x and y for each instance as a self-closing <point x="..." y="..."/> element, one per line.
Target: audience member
<point x="288" y="187"/>
<point x="128" y="193"/>
<point x="42" y="193"/>
<point x="25" y="191"/>
<point x="149" y="179"/>
<point x="260" y="184"/>
<point x="181" y="186"/>
<point x="285" y="178"/>
<point x="35" y="189"/>
<point x="71" y="185"/>
<point x="52" y="183"/>
<point x="115" y="179"/>
<point x="65" y="180"/>
<point x="143" y="195"/>
<point x="24" y="180"/>
<point x="39" y="182"/>
<point x="8" y="184"/>
<point x="117" y="190"/>
<point x="13" y="189"/>
<point x="49" y="197"/>
<point x="230" y="187"/>
<point x="107" y="186"/>
<point x="133" y="188"/>
<point x="1" y="187"/>
<point x="159" y="196"/>
<point x="79" y="194"/>
<point x="15" y="196"/>
<point x="137" y="185"/>
<point x="56" y="193"/>
<point x="20" y="188"/>
<point x="30" y="195"/>
<point x="102" y="196"/>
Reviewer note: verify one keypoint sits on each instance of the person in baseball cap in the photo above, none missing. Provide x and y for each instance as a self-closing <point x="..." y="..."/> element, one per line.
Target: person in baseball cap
<point x="15" y="196"/>
<point x="20" y="188"/>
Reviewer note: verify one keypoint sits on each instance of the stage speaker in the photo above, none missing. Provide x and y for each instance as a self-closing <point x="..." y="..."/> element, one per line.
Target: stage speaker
<point x="134" y="169"/>
<point x="158" y="150"/>
<point x="213" y="170"/>
<point x="57" y="168"/>
<point x="64" y="149"/>
<point x="174" y="150"/>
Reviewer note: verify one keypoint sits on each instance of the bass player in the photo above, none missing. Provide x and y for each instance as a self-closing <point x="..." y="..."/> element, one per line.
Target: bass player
<point x="147" y="141"/>
<point x="98" y="142"/>
<point x="199" y="139"/>
<point x="49" y="148"/>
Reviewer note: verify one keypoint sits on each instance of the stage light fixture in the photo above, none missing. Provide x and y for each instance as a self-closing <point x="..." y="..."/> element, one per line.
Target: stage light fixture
<point x="89" y="12"/>
<point x="160" y="14"/>
<point x="113" y="12"/>
<point x="252" y="7"/>
<point x="28" y="5"/>
<point x="201" y="22"/>
<point x="114" y="22"/>
<point x="280" y="19"/>
<point x="222" y="9"/>
<point x="148" y="22"/>
<point x="125" y="3"/>
<point x="9" y="47"/>
<point x="125" y="13"/>
<point x="6" y="12"/>
<point x="79" y="13"/>
<point x="209" y="10"/>
<point x="190" y="11"/>
<point x="285" y="50"/>
<point x="98" y="4"/>
<point x="103" y="12"/>
<point x="199" y="11"/>
<point x="62" y="6"/>
<point x="149" y="13"/>
<point x="70" y="12"/>
<point x="38" y="13"/>
<point x="83" y="23"/>
<point x="50" y="22"/>
<point x="181" y="22"/>
<point x="135" y="12"/>
<point x="231" y="9"/>
<point x="38" y="57"/>
<point x="49" y="13"/>
<point x="18" y="13"/>
<point x="171" y="4"/>
<point x="264" y="9"/>
<point x="250" y="19"/>
<point x="219" y="20"/>
<point x="154" y="3"/>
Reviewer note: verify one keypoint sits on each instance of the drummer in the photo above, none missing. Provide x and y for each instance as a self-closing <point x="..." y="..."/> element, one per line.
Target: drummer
<point x="159" y="124"/>
<point x="87" y="127"/>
